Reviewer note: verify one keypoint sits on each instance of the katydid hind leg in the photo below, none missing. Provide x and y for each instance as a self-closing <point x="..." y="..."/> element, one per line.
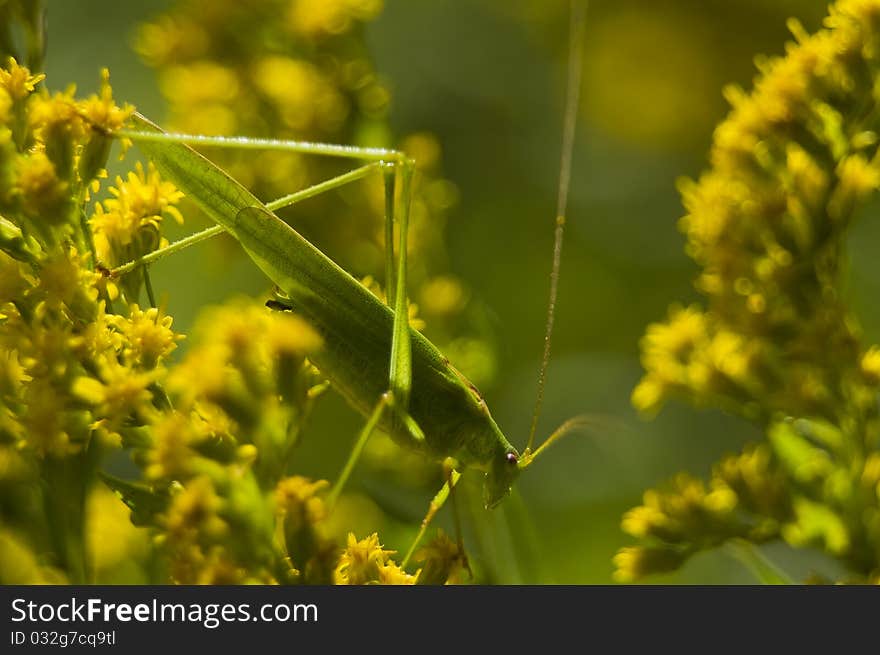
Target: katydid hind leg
<point x="148" y="285"/>
<point x="390" y="176"/>
<point x="400" y="369"/>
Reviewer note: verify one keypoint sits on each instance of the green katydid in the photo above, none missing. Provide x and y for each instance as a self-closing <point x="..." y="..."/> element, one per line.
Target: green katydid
<point x="385" y="369"/>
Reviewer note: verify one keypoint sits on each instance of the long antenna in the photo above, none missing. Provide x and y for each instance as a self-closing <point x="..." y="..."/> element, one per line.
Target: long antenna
<point x="573" y="87"/>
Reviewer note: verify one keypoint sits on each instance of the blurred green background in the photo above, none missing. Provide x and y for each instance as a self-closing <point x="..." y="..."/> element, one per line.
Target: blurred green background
<point x="486" y="77"/>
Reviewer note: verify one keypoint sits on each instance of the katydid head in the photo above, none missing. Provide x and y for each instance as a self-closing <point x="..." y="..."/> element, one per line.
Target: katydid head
<point x="503" y="471"/>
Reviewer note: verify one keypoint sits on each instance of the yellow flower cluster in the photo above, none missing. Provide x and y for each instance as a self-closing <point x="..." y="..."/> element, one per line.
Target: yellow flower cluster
<point x="746" y="497"/>
<point x="443" y="561"/>
<point x="307" y="545"/>
<point x="65" y="351"/>
<point x="52" y="147"/>
<point x="239" y="398"/>
<point x="76" y="378"/>
<point x="313" y="18"/>
<point x="250" y="365"/>
<point x="268" y="75"/>
<point x="127" y="226"/>
<point x="366" y="562"/>
<point x="775" y="341"/>
<point x="790" y="165"/>
<point x="230" y="512"/>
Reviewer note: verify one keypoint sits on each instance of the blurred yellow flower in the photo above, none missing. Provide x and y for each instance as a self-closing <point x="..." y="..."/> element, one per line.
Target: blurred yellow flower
<point x="18" y="81"/>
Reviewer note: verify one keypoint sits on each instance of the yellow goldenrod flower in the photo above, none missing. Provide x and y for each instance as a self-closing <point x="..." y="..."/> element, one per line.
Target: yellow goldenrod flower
<point x="818" y="524"/>
<point x="870" y="365"/>
<point x="14" y="279"/>
<point x="119" y="394"/>
<point x="171" y="456"/>
<point x="442" y="296"/>
<point x="46" y="420"/>
<point x="194" y="513"/>
<point x="775" y="342"/>
<point x="361" y="561"/>
<point x="649" y="394"/>
<point x="392" y="574"/>
<point x="442" y="561"/>
<point x="146" y="196"/>
<point x="65" y="279"/>
<point x="104" y="117"/>
<point x="148" y="334"/>
<point x="101" y="111"/>
<point x="298" y="501"/>
<point x="127" y="226"/>
<point x="288" y="335"/>
<point x="315" y="18"/>
<point x="635" y="562"/>
<point x="307" y="100"/>
<point x="45" y="197"/>
<point x="57" y="124"/>
<point x="302" y="512"/>
<point x="18" y="81"/>
<point x="747" y="497"/>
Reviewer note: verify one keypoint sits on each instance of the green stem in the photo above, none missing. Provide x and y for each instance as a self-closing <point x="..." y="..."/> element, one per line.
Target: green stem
<point x="389" y="178"/>
<point x="148" y="285"/>
<point x="86" y="231"/>
<point x="67" y="482"/>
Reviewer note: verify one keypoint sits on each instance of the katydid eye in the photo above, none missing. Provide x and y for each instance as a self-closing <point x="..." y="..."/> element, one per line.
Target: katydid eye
<point x="511" y="458"/>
